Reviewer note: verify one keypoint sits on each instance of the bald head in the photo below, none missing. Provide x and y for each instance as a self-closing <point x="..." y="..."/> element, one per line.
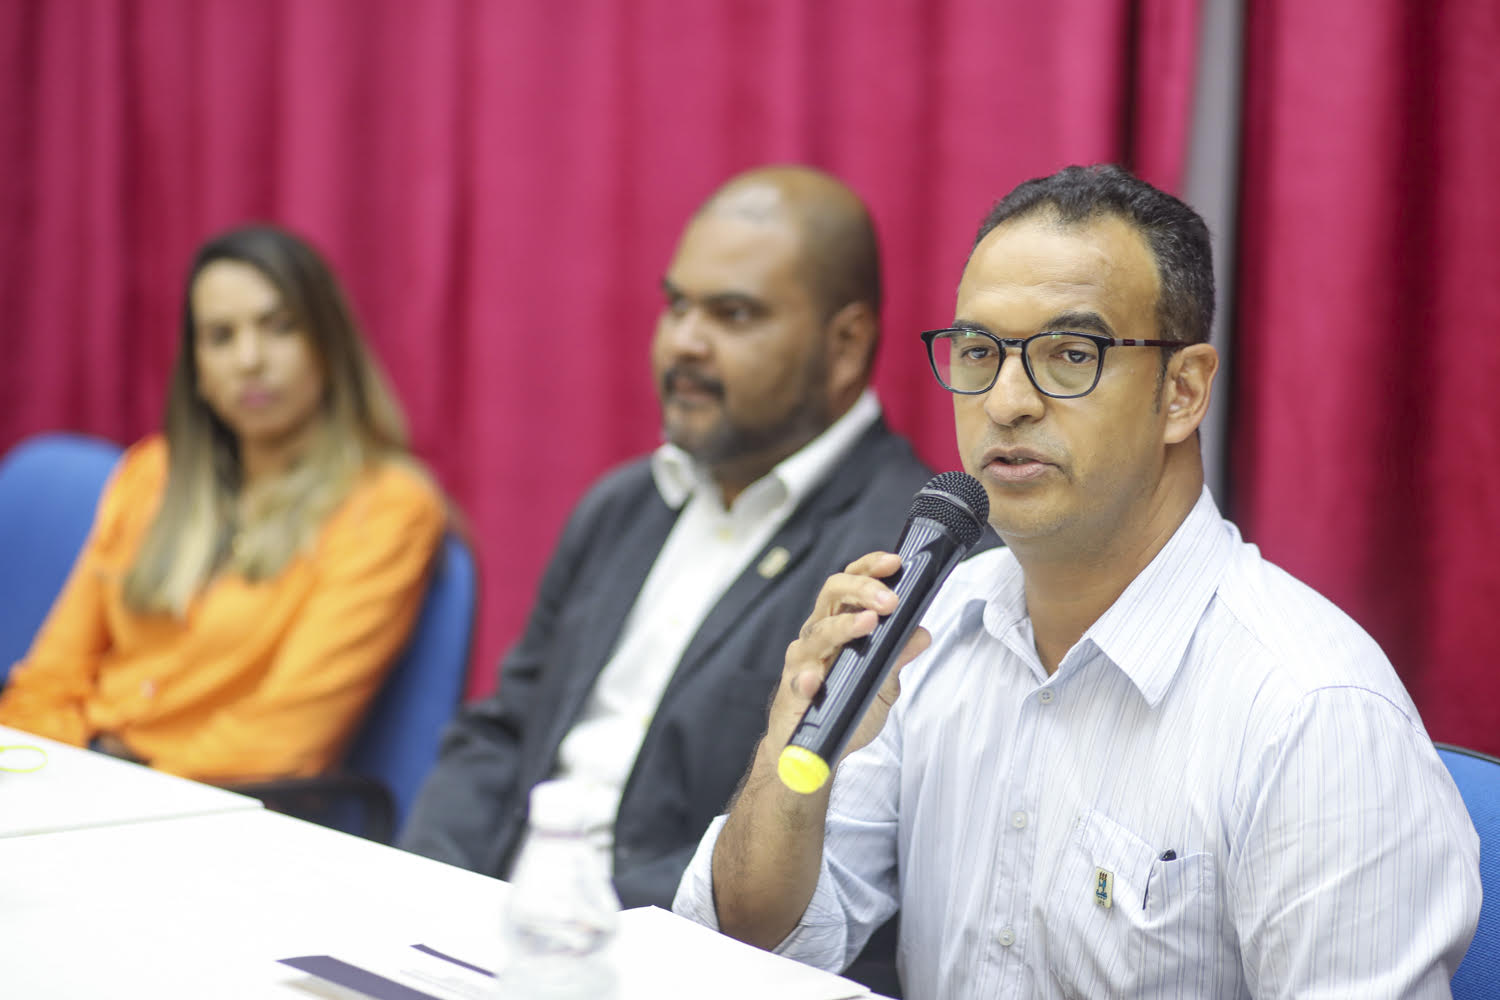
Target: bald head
<point x="840" y="258"/>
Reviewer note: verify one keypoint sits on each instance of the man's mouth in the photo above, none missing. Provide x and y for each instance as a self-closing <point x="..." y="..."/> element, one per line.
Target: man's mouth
<point x="677" y="383"/>
<point x="1018" y="466"/>
<point x="1017" y="456"/>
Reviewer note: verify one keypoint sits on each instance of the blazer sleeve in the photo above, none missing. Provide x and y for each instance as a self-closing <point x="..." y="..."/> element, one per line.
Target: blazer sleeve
<point x="471" y="794"/>
<point x="372" y="567"/>
<point x="46" y="693"/>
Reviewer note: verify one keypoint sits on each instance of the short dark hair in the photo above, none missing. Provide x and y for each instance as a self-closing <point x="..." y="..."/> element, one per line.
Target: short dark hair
<point x="1176" y="235"/>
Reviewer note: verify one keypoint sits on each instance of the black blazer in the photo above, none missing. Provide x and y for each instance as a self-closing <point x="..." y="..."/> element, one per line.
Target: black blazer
<point x="472" y="808"/>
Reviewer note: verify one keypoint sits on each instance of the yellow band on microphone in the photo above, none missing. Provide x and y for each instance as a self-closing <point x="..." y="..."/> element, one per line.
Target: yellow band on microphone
<point x="802" y="770"/>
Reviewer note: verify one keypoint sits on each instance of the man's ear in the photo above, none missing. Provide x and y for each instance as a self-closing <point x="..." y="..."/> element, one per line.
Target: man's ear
<point x="1186" y="390"/>
<point x="851" y="336"/>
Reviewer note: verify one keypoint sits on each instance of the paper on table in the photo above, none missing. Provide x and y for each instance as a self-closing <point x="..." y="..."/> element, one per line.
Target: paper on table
<point x="419" y="972"/>
<point x="662" y="954"/>
<point x="658" y="955"/>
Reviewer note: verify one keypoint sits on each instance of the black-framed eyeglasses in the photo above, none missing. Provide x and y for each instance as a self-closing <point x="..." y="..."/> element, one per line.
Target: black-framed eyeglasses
<point x="1061" y="364"/>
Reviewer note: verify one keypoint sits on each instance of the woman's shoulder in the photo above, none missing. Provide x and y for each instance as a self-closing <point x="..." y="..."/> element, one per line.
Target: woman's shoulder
<point x="397" y="485"/>
<point x="406" y="478"/>
<point x="394" y="512"/>
<point x="142" y="470"/>
<point x="149" y="452"/>
<point x="132" y="494"/>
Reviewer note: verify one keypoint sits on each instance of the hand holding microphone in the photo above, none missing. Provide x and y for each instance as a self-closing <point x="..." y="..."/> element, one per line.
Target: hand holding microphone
<point x="946" y="519"/>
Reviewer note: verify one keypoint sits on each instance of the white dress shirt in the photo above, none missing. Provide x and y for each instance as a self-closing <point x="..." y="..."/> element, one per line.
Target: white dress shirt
<point x="707" y="550"/>
<point x="1223" y="791"/>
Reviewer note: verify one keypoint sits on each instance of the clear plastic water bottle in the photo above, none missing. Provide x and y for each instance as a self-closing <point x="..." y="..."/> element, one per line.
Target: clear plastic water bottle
<point x="562" y="911"/>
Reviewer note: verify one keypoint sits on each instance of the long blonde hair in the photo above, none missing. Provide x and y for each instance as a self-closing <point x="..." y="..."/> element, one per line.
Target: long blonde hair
<point x="208" y="523"/>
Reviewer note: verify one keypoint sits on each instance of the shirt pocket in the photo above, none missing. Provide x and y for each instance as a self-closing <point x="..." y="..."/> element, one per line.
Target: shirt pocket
<point x="1123" y="922"/>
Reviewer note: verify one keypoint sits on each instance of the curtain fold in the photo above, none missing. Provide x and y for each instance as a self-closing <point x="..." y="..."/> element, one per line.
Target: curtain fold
<point x="1366" y="431"/>
<point x="500" y="186"/>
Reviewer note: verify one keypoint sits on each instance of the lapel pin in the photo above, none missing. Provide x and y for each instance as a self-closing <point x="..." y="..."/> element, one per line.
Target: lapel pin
<point x="773" y="562"/>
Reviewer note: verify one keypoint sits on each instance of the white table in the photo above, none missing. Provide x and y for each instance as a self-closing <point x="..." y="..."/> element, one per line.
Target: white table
<point x="76" y="789"/>
<point x="203" y="906"/>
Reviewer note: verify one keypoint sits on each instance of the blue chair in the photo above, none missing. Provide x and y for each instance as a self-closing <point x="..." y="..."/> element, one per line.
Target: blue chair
<point x="397" y="744"/>
<point x="49" y="490"/>
<point x="400" y="737"/>
<point x="1478" y="778"/>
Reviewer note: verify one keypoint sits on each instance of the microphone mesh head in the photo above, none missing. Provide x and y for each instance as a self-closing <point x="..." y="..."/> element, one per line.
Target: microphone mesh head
<point x="957" y="501"/>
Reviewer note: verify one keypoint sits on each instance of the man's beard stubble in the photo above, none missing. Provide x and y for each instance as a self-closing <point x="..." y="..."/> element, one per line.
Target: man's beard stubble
<point x="726" y="441"/>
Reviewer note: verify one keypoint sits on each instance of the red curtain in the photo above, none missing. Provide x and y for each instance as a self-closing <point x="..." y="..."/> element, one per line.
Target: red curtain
<point x="491" y="179"/>
<point x="1366" y="434"/>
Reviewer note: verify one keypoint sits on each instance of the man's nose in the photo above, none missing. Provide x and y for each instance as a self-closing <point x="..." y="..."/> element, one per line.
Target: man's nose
<point x="687" y="333"/>
<point x="1013" y="397"/>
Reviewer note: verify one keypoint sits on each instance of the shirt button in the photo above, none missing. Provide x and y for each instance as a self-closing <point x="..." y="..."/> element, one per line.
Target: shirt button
<point x="1007" y="938"/>
<point x="1046" y="696"/>
<point x="1018" y="819"/>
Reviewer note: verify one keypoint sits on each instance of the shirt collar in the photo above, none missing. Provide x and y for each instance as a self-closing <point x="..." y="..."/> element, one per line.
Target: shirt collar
<point x="678" y="477"/>
<point x="1146" y="631"/>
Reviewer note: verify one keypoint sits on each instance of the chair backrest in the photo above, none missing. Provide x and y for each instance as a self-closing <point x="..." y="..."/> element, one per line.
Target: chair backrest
<point x="49" y="490"/>
<point x="1477" y="776"/>
<point x="398" y="741"/>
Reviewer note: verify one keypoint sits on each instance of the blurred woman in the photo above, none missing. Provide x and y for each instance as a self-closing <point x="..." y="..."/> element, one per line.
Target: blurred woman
<point x="252" y="572"/>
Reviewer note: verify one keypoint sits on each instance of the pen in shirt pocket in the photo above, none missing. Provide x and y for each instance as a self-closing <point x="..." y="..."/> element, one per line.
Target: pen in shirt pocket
<point x="1167" y="855"/>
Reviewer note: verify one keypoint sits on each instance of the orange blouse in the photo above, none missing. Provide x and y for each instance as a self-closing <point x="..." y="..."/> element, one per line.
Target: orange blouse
<point x="257" y="680"/>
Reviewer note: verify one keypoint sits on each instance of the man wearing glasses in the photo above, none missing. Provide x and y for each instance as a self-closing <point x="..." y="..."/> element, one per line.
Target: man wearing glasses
<point x="1136" y="760"/>
<point x="647" y="662"/>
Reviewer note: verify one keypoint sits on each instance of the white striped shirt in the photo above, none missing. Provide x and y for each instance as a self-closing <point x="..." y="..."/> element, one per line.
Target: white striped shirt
<point x="1225" y="759"/>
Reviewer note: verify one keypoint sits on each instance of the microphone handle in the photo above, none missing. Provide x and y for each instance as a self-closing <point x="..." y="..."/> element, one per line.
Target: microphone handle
<point x="928" y="554"/>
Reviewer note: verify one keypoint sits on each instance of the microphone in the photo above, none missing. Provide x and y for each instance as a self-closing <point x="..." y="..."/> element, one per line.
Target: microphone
<point x="947" y="517"/>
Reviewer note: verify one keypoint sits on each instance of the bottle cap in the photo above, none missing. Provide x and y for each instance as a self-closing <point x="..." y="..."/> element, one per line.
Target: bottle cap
<point x="564" y="806"/>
